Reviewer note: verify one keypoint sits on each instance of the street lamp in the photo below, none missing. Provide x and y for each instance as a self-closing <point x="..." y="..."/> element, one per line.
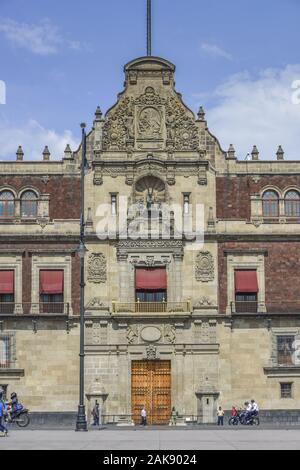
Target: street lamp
<point x="81" y="422"/>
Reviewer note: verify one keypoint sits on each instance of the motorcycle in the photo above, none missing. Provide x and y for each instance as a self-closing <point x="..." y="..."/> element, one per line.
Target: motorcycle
<point x="20" y="417"/>
<point x="241" y="418"/>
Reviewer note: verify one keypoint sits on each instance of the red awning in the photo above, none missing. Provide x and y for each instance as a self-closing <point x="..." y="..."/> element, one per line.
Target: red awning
<point x="151" y="278"/>
<point x="51" y="282"/>
<point x="7" y="282"/>
<point x="246" y="281"/>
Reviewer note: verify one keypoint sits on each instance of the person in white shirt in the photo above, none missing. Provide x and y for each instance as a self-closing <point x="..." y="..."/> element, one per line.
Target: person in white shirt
<point x="143" y="416"/>
<point x="254" y="407"/>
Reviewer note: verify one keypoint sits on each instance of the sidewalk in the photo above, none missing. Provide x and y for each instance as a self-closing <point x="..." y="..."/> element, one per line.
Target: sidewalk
<point x="151" y="439"/>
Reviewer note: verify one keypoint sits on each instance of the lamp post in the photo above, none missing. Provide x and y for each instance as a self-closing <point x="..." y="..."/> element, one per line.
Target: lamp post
<point x="81" y="422"/>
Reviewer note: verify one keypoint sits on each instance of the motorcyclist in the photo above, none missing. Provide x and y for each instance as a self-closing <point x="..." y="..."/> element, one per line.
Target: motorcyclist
<point x="254" y="408"/>
<point x="14" y="405"/>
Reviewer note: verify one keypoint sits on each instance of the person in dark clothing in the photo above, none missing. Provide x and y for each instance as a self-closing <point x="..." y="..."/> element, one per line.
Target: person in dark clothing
<point x="13" y="404"/>
<point x="3" y="429"/>
<point x="95" y="414"/>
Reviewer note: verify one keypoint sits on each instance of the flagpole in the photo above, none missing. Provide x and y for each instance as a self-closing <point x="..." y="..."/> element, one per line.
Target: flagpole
<point x="149" y="28"/>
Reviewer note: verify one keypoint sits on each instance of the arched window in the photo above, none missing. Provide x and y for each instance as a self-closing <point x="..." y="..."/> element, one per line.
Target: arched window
<point x="7" y="204"/>
<point x="29" y="204"/>
<point x="270" y="204"/>
<point x="292" y="204"/>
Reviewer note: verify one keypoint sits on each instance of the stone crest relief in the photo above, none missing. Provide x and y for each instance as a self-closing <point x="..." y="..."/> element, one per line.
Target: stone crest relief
<point x="150" y="123"/>
<point x="204" y="268"/>
<point x="97" y="270"/>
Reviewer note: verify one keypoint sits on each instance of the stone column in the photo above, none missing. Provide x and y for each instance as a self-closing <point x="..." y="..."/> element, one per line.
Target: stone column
<point x="177" y="277"/>
<point x="123" y="277"/>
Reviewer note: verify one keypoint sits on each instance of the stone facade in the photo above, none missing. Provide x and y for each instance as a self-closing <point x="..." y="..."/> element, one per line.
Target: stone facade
<point x="150" y="146"/>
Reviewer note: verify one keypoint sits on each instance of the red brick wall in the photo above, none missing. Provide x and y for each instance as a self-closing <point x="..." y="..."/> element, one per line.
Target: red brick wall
<point x="233" y="193"/>
<point x="64" y="192"/>
<point x="282" y="279"/>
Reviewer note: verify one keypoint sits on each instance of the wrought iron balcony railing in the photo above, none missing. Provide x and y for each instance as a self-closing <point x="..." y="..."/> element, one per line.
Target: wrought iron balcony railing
<point x="28" y="308"/>
<point x="151" y="307"/>
<point x="244" y="307"/>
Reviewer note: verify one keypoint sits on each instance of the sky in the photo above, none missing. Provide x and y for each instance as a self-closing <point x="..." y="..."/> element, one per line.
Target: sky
<point x="240" y="59"/>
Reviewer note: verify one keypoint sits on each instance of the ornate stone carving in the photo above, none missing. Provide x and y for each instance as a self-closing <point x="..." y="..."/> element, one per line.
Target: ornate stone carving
<point x="149" y="123"/>
<point x="119" y="127"/>
<point x="204" y="302"/>
<point x="204" y="269"/>
<point x="181" y="128"/>
<point x="97" y="268"/>
<point x="151" y="352"/>
<point x="150" y="98"/>
<point x="96" y="304"/>
<point x="170" y="334"/>
<point x="98" y="176"/>
<point x="132" y="334"/>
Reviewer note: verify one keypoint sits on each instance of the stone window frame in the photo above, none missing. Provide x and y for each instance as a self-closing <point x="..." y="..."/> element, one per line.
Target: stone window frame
<point x="14" y="263"/>
<point x="10" y="337"/>
<point x="43" y="203"/>
<point x="51" y="262"/>
<point x="292" y="390"/>
<point x="257" y="216"/>
<point x="246" y="261"/>
<point x="289" y="331"/>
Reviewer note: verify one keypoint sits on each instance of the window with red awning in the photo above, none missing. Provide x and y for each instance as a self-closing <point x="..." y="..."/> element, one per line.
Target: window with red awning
<point x="7" y="282"/>
<point x="151" y="278"/>
<point x="246" y="281"/>
<point x="51" y="282"/>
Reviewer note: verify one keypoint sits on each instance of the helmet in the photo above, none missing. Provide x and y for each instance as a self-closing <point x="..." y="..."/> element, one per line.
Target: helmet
<point x="13" y="395"/>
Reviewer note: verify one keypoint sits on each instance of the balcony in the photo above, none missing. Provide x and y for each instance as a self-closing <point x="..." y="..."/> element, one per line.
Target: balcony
<point x="28" y="308"/>
<point x="151" y="307"/>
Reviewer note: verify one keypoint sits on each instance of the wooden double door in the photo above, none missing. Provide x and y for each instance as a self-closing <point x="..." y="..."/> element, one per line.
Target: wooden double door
<point x="151" y="387"/>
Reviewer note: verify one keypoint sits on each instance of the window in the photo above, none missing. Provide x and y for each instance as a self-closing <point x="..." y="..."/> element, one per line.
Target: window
<point x="7" y="296"/>
<point x="51" y="291"/>
<point x="3" y="387"/>
<point x="246" y="289"/>
<point x="186" y="203"/>
<point x="286" y="390"/>
<point x="151" y="286"/>
<point x="29" y="204"/>
<point x="4" y="352"/>
<point x="292" y="204"/>
<point x="114" y="208"/>
<point x="7" y="204"/>
<point x="270" y="204"/>
<point x="285" y="350"/>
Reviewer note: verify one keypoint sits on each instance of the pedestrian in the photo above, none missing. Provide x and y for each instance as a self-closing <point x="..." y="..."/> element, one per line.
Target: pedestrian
<point x="3" y="429"/>
<point x="143" y="416"/>
<point x="95" y="414"/>
<point x="233" y="412"/>
<point x="174" y="416"/>
<point x="220" y="416"/>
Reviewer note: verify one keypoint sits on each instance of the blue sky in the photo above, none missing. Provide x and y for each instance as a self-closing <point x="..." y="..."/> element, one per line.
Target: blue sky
<point x="239" y="58"/>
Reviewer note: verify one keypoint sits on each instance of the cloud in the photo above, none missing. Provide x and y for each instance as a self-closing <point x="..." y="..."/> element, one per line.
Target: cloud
<point x="264" y="111"/>
<point x="215" y="51"/>
<point x="43" y="38"/>
<point x="33" y="137"/>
